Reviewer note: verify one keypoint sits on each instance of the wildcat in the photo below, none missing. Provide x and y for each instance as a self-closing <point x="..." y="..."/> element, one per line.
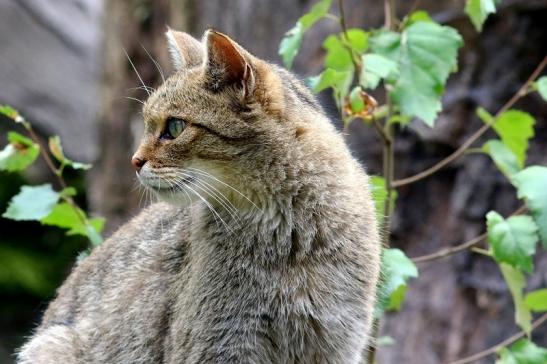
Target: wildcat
<point x="265" y="249"/>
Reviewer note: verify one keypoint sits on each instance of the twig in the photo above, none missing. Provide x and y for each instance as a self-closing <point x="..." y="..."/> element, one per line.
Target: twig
<point x="461" y="247"/>
<point x="492" y="350"/>
<point x="45" y="155"/>
<point x="342" y="20"/>
<point x="461" y="150"/>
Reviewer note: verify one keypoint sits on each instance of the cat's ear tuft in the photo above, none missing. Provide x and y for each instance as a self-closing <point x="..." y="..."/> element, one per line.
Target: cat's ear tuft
<point x="228" y="63"/>
<point x="185" y="50"/>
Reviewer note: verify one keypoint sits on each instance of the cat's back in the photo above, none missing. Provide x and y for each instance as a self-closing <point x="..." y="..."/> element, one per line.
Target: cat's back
<point x="125" y="287"/>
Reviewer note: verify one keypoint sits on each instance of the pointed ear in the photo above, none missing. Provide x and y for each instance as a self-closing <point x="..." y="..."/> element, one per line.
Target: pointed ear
<point x="185" y="50"/>
<point x="228" y="63"/>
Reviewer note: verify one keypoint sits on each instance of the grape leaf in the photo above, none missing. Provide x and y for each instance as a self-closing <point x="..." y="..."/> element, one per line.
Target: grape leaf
<point x="20" y="153"/>
<point x="531" y="184"/>
<point x="536" y="301"/>
<point x="523" y="352"/>
<point x="376" y="67"/>
<point x="515" y="128"/>
<point x="541" y="86"/>
<point x="56" y="149"/>
<point x="513" y="240"/>
<point x="290" y="44"/>
<point x="516" y="282"/>
<point x="397" y="270"/>
<point x="32" y="203"/>
<point x="503" y="157"/>
<point x="478" y="11"/>
<point x="426" y="54"/>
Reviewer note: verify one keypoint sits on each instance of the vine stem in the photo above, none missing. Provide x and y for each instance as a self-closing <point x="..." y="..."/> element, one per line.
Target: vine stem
<point x="443" y="253"/>
<point x="45" y="155"/>
<point x="492" y="350"/>
<point x="523" y="90"/>
<point x="343" y="26"/>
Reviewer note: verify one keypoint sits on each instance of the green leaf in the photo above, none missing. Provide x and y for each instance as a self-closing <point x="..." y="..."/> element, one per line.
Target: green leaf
<point x="356" y="101"/>
<point x="93" y="235"/>
<point x="513" y="240"/>
<point x="315" y="14"/>
<point x="478" y="11"/>
<point x="531" y="184"/>
<point x="516" y="282"/>
<point x="338" y="56"/>
<point x="515" y="128"/>
<point x="541" y="86"/>
<point x="20" y="153"/>
<point x="417" y="16"/>
<point x="523" y="352"/>
<point x="376" y="67"/>
<point x="357" y="39"/>
<point x="485" y="116"/>
<point x="329" y="78"/>
<point x="426" y="54"/>
<point x="397" y="270"/>
<point x="379" y="195"/>
<point x="536" y="301"/>
<point x="72" y="219"/>
<point x="9" y="112"/>
<point x="503" y="157"/>
<point x="290" y="44"/>
<point x="32" y="203"/>
<point x="56" y="150"/>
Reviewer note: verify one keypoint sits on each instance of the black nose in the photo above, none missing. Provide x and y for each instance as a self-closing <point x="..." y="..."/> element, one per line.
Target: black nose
<point x="138" y="163"/>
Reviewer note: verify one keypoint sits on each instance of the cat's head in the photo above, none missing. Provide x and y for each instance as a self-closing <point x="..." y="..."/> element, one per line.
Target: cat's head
<point x="224" y="118"/>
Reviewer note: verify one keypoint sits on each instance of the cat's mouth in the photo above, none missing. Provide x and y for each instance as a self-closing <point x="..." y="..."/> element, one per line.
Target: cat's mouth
<point x="166" y="185"/>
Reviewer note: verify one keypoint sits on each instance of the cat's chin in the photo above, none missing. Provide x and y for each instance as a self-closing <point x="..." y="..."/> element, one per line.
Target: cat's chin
<point x="176" y="198"/>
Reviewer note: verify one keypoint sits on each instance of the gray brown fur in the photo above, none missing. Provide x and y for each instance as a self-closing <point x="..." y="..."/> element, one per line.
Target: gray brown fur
<point x="290" y="280"/>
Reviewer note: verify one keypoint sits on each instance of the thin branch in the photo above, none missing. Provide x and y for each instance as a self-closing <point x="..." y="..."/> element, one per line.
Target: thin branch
<point x="492" y="350"/>
<point x="45" y="155"/>
<point x="461" y="247"/>
<point x="342" y="20"/>
<point x="473" y="138"/>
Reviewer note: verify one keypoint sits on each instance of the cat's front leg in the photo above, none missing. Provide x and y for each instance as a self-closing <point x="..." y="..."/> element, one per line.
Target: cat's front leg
<point x="58" y="344"/>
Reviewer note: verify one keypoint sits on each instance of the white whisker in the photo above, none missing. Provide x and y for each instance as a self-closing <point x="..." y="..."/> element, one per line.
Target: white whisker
<point x="135" y="69"/>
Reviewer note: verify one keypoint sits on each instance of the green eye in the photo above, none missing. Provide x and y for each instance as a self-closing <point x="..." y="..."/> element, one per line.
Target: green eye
<point x="173" y="128"/>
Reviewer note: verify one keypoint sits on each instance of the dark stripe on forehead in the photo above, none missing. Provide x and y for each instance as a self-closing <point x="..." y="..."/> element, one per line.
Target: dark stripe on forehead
<point x="223" y="136"/>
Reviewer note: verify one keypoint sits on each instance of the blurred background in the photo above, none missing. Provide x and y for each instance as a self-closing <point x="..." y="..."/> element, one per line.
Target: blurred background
<point x="63" y="66"/>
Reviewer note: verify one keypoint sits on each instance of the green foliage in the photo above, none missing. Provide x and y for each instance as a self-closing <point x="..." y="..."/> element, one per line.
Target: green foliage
<point x="516" y="282"/>
<point x="329" y="78"/>
<point x="56" y="150"/>
<point x="503" y="157"/>
<point x="41" y="203"/>
<point x="426" y="54"/>
<point x="541" y="86"/>
<point x="20" y="153"/>
<point x="293" y="38"/>
<point x="74" y="220"/>
<point x="379" y="195"/>
<point x="531" y="184"/>
<point x="478" y="11"/>
<point x="397" y="270"/>
<point x="513" y="240"/>
<point x="376" y="67"/>
<point x="412" y="61"/>
<point x="523" y="352"/>
<point x="515" y="129"/>
<point x="32" y="203"/>
<point x="536" y="301"/>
